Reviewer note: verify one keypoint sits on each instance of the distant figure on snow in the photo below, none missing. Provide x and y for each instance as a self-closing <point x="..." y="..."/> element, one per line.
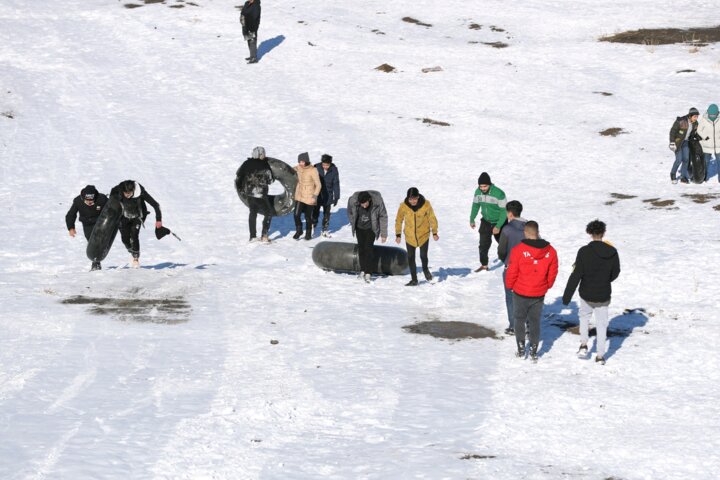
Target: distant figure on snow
<point x="133" y="199"/>
<point x="250" y="21"/>
<point x="306" y="194"/>
<point x="419" y="218"/>
<point x="329" y="192"/>
<point x="596" y="266"/>
<point x="680" y="132"/>
<point x="256" y="176"/>
<point x="512" y="234"/>
<point x="368" y="221"/>
<point x="531" y="273"/>
<point x="709" y="133"/>
<point x="88" y="206"/>
<point x="490" y="201"/>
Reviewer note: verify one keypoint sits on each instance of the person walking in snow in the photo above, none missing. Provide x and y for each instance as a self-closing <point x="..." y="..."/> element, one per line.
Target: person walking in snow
<point x="531" y="273"/>
<point x="680" y="132"/>
<point x="709" y="133"/>
<point x="512" y="234"/>
<point x="596" y="266"/>
<point x="490" y="201"/>
<point x="329" y="192"/>
<point x="368" y="221"/>
<point x="133" y="199"/>
<point x="87" y="206"/>
<point x="250" y="21"/>
<point x="419" y="218"/>
<point x="306" y="194"/>
<point x="253" y="179"/>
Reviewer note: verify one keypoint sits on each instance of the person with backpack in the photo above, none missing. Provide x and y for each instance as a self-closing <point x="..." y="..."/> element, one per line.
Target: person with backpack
<point x="682" y="129"/>
<point x="250" y="21"/>
<point x="133" y="200"/>
<point x="709" y="133"/>
<point x="87" y="206"/>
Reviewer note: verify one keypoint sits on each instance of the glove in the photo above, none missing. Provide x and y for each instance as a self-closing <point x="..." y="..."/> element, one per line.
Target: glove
<point x="672" y="147"/>
<point x="335" y="203"/>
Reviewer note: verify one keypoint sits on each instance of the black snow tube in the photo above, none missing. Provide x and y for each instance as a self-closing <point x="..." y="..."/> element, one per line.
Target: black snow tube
<point x="277" y="205"/>
<point x="343" y="257"/>
<point x="696" y="164"/>
<point x="104" y="231"/>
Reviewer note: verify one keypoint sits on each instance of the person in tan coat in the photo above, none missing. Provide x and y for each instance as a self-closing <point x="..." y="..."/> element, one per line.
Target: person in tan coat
<point x="419" y="218"/>
<point x="306" y="193"/>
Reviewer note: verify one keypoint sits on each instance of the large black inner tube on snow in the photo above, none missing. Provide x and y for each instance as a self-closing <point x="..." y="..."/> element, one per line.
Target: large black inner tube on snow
<point x="343" y="257"/>
<point x="696" y="163"/>
<point x="277" y="205"/>
<point x="104" y="231"/>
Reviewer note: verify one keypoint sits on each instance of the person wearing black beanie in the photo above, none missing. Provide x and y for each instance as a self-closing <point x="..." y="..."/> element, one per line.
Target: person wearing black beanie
<point x="490" y="201"/>
<point x="87" y="206"/>
<point x="329" y="192"/>
<point x="419" y="218"/>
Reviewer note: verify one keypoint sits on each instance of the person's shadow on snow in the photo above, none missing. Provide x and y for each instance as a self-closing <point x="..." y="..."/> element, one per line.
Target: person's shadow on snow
<point x="622" y="326"/>
<point x="549" y="332"/>
<point x="267" y="45"/>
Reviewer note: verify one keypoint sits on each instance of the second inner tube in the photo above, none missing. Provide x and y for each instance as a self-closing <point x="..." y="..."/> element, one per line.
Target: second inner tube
<point x="277" y="205"/>
<point x="104" y="231"/>
<point x="343" y="257"/>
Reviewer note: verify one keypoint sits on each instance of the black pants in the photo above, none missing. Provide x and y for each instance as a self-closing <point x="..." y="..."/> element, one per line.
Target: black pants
<point x="326" y="215"/>
<point x="486" y="236"/>
<point x="256" y="205"/>
<point x="300" y="209"/>
<point x="365" y="239"/>
<point x="87" y="230"/>
<point x="423" y="258"/>
<point x="130" y="235"/>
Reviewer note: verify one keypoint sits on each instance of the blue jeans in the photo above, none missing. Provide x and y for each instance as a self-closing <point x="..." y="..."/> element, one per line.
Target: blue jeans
<point x="508" y="302"/>
<point x="682" y="158"/>
<point x="708" y="157"/>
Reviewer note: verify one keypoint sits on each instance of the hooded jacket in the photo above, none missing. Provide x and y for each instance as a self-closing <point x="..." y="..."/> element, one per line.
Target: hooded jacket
<point x="135" y="206"/>
<point x="254" y="177"/>
<point x="596" y="266"/>
<point x="532" y="269"/>
<point x="512" y="234"/>
<point x="491" y="206"/>
<point x="308" y="186"/>
<point x="378" y="213"/>
<point x="678" y="131"/>
<point x="88" y="214"/>
<point x="709" y="133"/>
<point x="329" y="184"/>
<point x="419" y="221"/>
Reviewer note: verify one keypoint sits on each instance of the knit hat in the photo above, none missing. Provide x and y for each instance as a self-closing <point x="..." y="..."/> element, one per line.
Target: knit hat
<point x="413" y="192"/>
<point x="304" y="157"/>
<point x="326" y="158"/>
<point x="712" y="111"/>
<point x="258" y="152"/>
<point x="693" y="111"/>
<point x="484" y="179"/>
<point x="89" y="192"/>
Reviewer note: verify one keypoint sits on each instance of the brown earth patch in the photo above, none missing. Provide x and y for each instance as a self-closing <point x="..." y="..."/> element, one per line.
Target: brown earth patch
<point x="666" y="36"/>
<point x="416" y="22"/>
<point x="132" y="5"/>
<point x="377" y="32"/>
<point x="474" y="26"/>
<point x="612" y="132"/>
<point x="451" y="330"/>
<point x="496" y="44"/>
<point x="474" y="456"/>
<point x="701" y="197"/>
<point x="432" y="69"/>
<point x="170" y="310"/>
<point x="604" y="94"/>
<point x="148" y="2"/>
<point x="685" y="71"/>
<point x="8" y="114"/>
<point x="611" y="202"/>
<point x="433" y="122"/>
<point x="658" y="203"/>
<point x="385" y="67"/>
<point x="716" y="208"/>
<point x="177" y="6"/>
<point x="473" y="42"/>
<point x="496" y="29"/>
<point x="622" y="196"/>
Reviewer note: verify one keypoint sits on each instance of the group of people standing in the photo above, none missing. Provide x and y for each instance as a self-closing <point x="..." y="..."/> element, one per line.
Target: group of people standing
<point x="706" y="129"/>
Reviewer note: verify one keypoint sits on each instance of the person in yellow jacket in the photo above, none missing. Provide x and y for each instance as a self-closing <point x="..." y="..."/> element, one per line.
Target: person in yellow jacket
<point x="306" y="194"/>
<point x="419" y="218"/>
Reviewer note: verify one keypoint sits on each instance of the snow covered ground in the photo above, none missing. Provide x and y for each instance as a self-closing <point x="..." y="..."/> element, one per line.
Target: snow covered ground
<point x="227" y="360"/>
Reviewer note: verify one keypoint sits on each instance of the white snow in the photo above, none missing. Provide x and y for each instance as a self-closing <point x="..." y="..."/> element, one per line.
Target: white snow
<point x="99" y="93"/>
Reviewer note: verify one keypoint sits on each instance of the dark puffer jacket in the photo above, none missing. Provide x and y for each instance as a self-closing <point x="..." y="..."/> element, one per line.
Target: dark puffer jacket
<point x="88" y="214"/>
<point x="330" y="184"/>
<point x="596" y="266"/>
<point x="678" y="131"/>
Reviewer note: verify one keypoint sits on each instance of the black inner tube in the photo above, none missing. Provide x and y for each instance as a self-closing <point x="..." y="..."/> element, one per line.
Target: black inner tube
<point x="277" y="205"/>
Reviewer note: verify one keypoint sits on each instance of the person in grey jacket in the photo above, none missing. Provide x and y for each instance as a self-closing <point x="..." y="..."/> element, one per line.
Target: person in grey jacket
<point x="368" y="221"/>
<point x="512" y="234"/>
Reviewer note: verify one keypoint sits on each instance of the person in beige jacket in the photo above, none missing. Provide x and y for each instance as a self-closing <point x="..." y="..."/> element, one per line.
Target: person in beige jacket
<point x="306" y="193"/>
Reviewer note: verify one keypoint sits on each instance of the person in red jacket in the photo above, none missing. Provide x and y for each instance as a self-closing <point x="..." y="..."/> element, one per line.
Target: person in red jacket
<point x="530" y="274"/>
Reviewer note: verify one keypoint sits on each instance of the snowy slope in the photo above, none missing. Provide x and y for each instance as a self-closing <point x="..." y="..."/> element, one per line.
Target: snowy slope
<point x="169" y="371"/>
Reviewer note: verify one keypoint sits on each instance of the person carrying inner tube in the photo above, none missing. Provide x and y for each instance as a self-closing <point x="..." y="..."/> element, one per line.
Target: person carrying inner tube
<point x="306" y="194"/>
<point x="88" y="206"/>
<point x="419" y="218"/>
<point x="133" y="198"/>
<point x="254" y="177"/>
<point x="368" y="220"/>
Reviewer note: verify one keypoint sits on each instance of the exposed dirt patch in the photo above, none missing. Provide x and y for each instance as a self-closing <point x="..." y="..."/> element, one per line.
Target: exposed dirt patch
<point x="170" y="310"/>
<point x="433" y="122"/>
<point x="385" y="67"/>
<point x="701" y="197"/>
<point x="604" y="94"/>
<point x="415" y="21"/>
<point x="473" y="42"/>
<point x="8" y="114"/>
<point x="666" y="36"/>
<point x="716" y="208"/>
<point x="574" y="328"/>
<point x="611" y="202"/>
<point x="451" y="330"/>
<point x="685" y="71"/>
<point x="622" y="196"/>
<point x="496" y="29"/>
<point x="612" y="132"/>
<point x="474" y="456"/>
<point x="658" y="203"/>
<point x="474" y="26"/>
<point x="148" y="2"/>
<point x="497" y="44"/>
<point x="377" y="32"/>
<point x="177" y="6"/>
<point x="132" y="5"/>
<point x="432" y="69"/>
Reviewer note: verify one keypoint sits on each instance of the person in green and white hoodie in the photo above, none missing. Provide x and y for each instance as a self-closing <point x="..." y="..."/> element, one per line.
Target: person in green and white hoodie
<point x="490" y="201"/>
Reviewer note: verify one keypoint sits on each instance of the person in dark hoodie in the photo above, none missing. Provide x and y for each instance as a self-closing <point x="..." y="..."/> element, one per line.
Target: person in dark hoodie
<point x="250" y="21"/>
<point x="419" y="218"/>
<point x="512" y="234"/>
<point x="682" y="129"/>
<point x="87" y="206"/>
<point x="133" y="199"/>
<point x="253" y="179"/>
<point x="368" y="221"/>
<point x="597" y="265"/>
<point x="531" y="273"/>
<point x="329" y="192"/>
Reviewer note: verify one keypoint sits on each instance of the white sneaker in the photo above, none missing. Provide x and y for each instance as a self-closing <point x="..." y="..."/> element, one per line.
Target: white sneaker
<point x="674" y="181"/>
<point x="135" y="263"/>
<point x="367" y="277"/>
<point x="265" y="239"/>
<point x="326" y="234"/>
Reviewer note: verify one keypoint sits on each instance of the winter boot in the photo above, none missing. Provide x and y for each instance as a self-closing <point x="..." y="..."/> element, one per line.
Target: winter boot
<point x="412" y="283"/>
<point x="533" y="352"/>
<point x="298" y="234"/>
<point x="428" y="275"/>
<point x="520" y="350"/>
<point x="308" y="233"/>
<point x="95" y="266"/>
<point x="325" y="233"/>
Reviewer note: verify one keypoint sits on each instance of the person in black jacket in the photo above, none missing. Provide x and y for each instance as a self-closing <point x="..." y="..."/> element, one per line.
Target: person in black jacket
<point x="250" y="21"/>
<point x="682" y="129"/>
<point x="88" y="206"/>
<point x="596" y="266"/>
<point x="329" y="192"/>
<point x="253" y="179"/>
<point x="133" y="199"/>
